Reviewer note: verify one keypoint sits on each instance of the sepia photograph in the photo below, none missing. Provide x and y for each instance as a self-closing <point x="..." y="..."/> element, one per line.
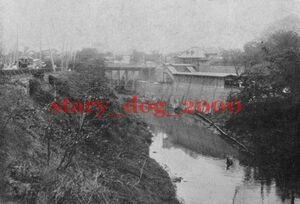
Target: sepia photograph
<point x="149" y="102"/>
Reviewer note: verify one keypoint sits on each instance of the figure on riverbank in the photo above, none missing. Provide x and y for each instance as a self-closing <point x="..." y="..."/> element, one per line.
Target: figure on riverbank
<point x="229" y="162"/>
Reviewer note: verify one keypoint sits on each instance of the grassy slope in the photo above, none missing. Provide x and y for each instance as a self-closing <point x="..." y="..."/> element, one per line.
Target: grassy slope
<point x="112" y="168"/>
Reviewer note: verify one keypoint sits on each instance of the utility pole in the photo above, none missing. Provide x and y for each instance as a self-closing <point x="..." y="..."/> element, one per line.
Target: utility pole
<point x="51" y="57"/>
<point x="17" y="52"/>
<point x="41" y="45"/>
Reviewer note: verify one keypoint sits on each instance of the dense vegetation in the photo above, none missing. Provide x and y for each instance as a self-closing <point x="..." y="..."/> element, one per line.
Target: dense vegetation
<point x="74" y="158"/>
<point x="271" y="98"/>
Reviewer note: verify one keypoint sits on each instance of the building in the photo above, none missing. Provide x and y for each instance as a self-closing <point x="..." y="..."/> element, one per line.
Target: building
<point x="125" y="59"/>
<point x="163" y="73"/>
<point x="196" y="56"/>
<point x="186" y="73"/>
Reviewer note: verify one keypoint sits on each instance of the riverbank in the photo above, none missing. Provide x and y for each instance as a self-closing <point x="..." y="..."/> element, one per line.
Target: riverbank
<point x="218" y="122"/>
<point x="215" y="120"/>
<point x="46" y="158"/>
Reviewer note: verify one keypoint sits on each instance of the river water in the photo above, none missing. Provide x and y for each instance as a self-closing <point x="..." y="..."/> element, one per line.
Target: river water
<point x="189" y="149"/>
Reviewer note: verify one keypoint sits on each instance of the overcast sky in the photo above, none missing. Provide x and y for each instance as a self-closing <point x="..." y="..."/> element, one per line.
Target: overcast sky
<point x="146" y="25"/>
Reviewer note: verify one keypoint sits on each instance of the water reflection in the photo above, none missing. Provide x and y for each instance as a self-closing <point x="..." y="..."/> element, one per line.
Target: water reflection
<point x="188" y="133"/>
<point x="192" y="151"/>
<point x="181" y="90"/>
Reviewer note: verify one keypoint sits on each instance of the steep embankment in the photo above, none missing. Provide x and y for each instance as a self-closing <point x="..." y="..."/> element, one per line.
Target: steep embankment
<point x="64" y="158"/>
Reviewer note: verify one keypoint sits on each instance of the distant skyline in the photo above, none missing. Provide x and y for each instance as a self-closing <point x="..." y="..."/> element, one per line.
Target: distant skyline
<point x="146" y="25"/>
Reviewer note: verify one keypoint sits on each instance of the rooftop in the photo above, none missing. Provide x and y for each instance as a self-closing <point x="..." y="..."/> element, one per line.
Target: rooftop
<point x="194" y="52"/>
<point x="207" y="74"/>
<point x="218" y="68"/>
<point x="197" y="52"/>
<point x="183" y="67"/>
<point x="216" y="71"/>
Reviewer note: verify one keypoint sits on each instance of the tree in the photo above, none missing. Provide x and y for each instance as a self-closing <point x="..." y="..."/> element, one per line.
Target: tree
<point x="89" y="57"/>
<point x="234" y="58"/>
<point x="154" y="56"/>
<point x="271" y="95"/>
<point x="79" y="127"/>
<point x="137" y="57"/>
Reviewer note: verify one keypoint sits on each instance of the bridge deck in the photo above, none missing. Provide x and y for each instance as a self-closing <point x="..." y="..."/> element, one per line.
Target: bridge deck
<point x="11" y="72"/>
<point x="127" y="68"/>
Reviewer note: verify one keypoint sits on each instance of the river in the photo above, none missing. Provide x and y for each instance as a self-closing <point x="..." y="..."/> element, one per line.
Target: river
<point x="189" y="149"/>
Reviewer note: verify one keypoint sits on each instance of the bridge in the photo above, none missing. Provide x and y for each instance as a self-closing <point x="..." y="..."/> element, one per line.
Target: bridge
<point x="117" y="74"/>
<point x="11" y="72"/>
<point x="128" y="73"/>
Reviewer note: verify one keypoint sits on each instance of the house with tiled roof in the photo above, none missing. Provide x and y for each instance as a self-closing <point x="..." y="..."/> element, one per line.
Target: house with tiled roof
<point x="196" y="56"/>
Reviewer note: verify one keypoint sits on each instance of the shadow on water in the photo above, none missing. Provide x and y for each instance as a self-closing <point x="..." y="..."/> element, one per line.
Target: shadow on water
<point x="192" y="150"/>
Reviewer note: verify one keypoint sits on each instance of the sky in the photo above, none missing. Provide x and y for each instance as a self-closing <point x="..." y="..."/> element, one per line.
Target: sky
<point x="146" y="25"/>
